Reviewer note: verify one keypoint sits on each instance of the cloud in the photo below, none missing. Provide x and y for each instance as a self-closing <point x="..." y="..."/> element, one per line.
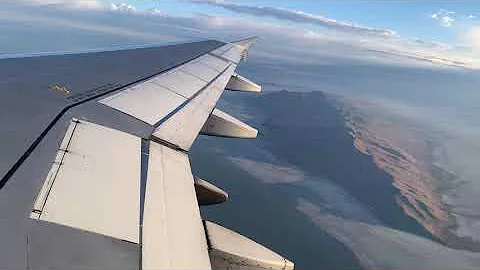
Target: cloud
<point x="268" y="173"/>
<point x="85" y="5"/>
<point x="299" y="17"/>
<point x="81" y="25"/>
<point x="122" y="7"/>
<point x="156" y="11"/>
<point x="445" y="17"/>
<point x="82" y="4"/>
<point x="379" y="247"/>
<point x="447" y="21"/>
<point x="297" y="44"/>
<point x="471" y="17"/>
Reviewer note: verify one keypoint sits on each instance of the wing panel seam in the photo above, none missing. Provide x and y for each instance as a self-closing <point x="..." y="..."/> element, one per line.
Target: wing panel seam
<point x="42" y="199"/>
<point x="222" y="58"/>
<point x="168" y="116"/>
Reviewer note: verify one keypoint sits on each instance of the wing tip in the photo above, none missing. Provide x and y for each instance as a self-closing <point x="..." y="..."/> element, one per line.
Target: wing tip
<point x="246" y="43"/>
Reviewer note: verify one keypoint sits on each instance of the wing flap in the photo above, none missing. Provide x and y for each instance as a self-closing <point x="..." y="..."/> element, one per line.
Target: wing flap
<point x="173" y="236"/>
<point x="92" y="187"/>
<point x="147" y="101"/>
<point x="182" y="128"/>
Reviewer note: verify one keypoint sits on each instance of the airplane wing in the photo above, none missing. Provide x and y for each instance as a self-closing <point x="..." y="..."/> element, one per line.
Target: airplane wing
<point x="94" y="160"/>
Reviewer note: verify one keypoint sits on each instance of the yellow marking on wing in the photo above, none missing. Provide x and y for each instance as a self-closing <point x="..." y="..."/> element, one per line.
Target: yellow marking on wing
<point x="60" y="88"/>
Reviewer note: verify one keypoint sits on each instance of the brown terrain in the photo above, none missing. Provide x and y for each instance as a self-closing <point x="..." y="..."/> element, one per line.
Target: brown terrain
<point x="402" y="150"/>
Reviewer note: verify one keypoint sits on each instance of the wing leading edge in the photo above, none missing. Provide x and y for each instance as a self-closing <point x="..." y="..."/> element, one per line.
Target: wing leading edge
<point x="141" y="189"/>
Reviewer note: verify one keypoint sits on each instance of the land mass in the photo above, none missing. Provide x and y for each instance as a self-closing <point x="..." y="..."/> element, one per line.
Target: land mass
<point x="403" y="149"/>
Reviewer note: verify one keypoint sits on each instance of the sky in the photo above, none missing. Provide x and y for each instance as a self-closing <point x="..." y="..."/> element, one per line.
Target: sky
<point x="415" y="33"/>
<point x="409" y="19"/>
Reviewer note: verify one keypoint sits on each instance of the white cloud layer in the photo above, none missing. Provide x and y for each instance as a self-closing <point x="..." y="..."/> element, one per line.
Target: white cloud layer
<point x="298" y="17"/>
<point x="378" y="247"/>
